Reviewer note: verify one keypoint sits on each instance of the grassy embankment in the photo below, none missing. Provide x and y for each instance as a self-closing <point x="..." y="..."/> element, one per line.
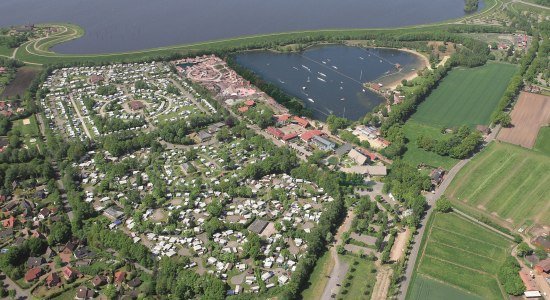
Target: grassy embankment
<point x="464" y="97"/>
<point x="460" y="259"/>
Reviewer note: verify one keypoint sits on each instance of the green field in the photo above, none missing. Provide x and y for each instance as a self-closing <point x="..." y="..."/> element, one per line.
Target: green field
<point x="466" y="96"/>
<point x="505" y="181"/>
<point x="459" y="259"/>
<point x="362" y="283"/>
<point x="543" y="141"/>
<point x="415" y="156"/>
<point x="428" y="288"/>
<point x="318" y="278"/>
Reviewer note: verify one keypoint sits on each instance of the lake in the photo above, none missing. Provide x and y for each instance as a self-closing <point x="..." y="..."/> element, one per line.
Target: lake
<point x="125" y="25"/>
<point x="329" y="79"/>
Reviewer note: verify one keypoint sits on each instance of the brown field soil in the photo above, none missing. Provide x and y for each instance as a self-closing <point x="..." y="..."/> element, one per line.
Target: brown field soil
<point x="22" y="80"/>
<point x="530" y="113"/>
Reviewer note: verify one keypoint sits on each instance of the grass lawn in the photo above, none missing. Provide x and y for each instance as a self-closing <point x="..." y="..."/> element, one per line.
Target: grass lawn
<point x="459" y="259"/>
<point x="362" y="283"/>
<point x="318" y="278"/>
<point x="505" y="181"/>
<point x="466" y="96"/>
<point x="428" y="288"/>
<point x="543" y="141"/>
<point x="5" y="51"/>
<point x="415" y="156"/>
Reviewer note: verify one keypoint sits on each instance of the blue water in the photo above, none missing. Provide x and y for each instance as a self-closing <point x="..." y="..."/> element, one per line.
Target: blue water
<point x="344" y="70"/>
<point x="124" y="25"/>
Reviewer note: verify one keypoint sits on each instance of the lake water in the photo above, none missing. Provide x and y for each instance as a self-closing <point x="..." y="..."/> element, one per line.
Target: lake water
<point x="124" y="25"/>
<point x="329" y="79"/>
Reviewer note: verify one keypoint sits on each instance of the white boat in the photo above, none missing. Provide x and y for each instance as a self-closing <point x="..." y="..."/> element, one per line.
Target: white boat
<point x="324" y="62"/>
<point x="281" y="81"/>
<point x="364" y="90"/>
<point x="342" y="99"/>
<point x="380" y="60"/>
<point x="336" y="68"/>
<point x="295" y="68"/>
<point x="321" y="79"/>
<point x="322" y="74"/>
<point x="308" y="79"/>
<point x="361" y="58"/>
<point x="341" y="88"/>
<point x="306" y="68"/>
<point x="310" y="100"/>
<point x="303" y="88"/>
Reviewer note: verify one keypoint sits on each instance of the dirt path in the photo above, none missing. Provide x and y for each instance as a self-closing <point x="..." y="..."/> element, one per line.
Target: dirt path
<point x="340" y="268"/>
<point x="383" y="279"/>
<point x="399" y="246"/>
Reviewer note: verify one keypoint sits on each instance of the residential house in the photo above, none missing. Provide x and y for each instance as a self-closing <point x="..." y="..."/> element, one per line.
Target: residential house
<point x="53" y="280"/>
<point x="33" y="274"/>
<point x="120" y="277"/>
<point x="69" y="273"/>
<point x="33" y="262"/>
<point x="99" y="280"/>
<point x="84" y="293"/>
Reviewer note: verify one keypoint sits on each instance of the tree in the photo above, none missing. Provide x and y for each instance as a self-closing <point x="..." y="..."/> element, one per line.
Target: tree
<point x="443" y="205"/>
<point x="523" y="249"/>
<point x="110" y="291"/>
<point x="60" y="232"/>
<point x="252" y="247"/>
<point x="508" y="275"/>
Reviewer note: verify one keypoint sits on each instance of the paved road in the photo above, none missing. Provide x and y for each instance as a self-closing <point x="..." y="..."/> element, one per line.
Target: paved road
<point x="20" y="293"/>
<point x="431" y="199"/>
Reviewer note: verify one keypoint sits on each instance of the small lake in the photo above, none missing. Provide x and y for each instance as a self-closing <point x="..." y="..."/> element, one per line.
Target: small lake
<point x="125" y="25"/>
<point x="329" y="79"/>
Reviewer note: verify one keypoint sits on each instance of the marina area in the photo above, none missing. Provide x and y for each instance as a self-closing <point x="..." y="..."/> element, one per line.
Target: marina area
<point x="331" y="79"/>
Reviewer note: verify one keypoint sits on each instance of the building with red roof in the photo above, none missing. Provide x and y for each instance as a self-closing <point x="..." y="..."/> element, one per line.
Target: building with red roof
<point x="290" y="136"/>
<point x="120" y="276"/>
<point x="33" y="274"/>
<point x="308" y="135"/>
<point x="275" y="132"/>
<point x="69" y="273"/>
<point x="300" y="121"/>
<point x="243" y="109"/>
<point x="249" y="103"/>
<point x="9" y="223"/>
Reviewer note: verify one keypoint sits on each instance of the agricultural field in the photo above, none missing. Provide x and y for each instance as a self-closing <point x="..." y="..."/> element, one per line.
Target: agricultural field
<point x="415" y="156"/>
<point x="507" y="182"/>
<point x="23" y="79"/>
<point x="531" y="112"/>
<point x="428" y="288"/>
<point x="543" y="141"/>
<point x="466" y="96"/>
<point x="459" y="258"/>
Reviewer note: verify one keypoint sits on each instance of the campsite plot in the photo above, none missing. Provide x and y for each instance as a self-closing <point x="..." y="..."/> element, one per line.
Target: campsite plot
<point x="461" y="258"/>
<point x="466" y="96"/>
<point x="530" y="113"/>
<point x="505" y="181"/>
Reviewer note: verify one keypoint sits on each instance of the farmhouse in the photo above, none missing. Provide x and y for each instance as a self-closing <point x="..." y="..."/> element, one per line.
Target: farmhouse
<point x="543" y="267"/>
